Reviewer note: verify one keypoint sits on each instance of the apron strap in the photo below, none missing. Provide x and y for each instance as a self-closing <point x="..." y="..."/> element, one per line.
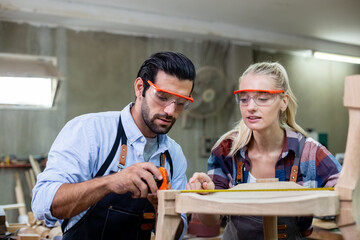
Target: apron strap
<point x="295" y="167"/>
<point x="123" y="151"/>
<point x="105" y="165"/>
<point x="111" y="156"/>
<point x="122" y="161"/>
<point x="120" y="134"/>
<point x="239" y="171"/>
<point x="166" y="155"/>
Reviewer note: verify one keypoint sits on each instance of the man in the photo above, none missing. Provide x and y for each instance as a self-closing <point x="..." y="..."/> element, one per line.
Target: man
<point x="101" y="169"/>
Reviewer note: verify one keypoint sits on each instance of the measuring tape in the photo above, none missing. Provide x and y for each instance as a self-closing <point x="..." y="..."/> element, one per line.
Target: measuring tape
<point x="257" y="190"/>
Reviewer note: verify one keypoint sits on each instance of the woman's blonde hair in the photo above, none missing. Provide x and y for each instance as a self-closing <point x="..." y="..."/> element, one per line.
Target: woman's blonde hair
<point x="241" y="134"/>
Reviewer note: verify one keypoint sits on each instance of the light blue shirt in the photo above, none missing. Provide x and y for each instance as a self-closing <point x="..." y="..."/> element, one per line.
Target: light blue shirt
<point x="81" y="148"/>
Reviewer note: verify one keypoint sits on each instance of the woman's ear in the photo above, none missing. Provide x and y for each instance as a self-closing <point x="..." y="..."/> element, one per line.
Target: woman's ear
<point x="284" y="103"/>
<point x="139" y="87"/>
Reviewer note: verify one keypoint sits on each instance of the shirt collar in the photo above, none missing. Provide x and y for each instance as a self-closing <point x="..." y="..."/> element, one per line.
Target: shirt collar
<point x="292" y="143"/>
<point x="132" y="132"/>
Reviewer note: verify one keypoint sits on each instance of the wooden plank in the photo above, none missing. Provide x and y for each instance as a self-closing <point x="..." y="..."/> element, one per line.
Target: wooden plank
<point x="349" y="177"/>
<point x="16" y="226"/>
<point x="43" y="231"/>
<point x="32" y="177"/>
<point x="167" y="219"/>
<point x="348" y="184"/>
<point x="351" y="91"/>
<point x="322" y="234"/>
<point x="28" y="181"/>
<point x="54" y="232"/>
<point x="12" y="206"/>
<point x="281" y="203"/>
<point x="28" y="236"/>
<point x="19" y="195"/>
<point x="324" y="224"/>
<point x="35" y="165"/>
<point x="31" y="219"/>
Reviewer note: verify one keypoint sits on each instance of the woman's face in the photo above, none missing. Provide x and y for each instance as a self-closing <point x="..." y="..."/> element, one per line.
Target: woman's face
<point x="255" y="116"/>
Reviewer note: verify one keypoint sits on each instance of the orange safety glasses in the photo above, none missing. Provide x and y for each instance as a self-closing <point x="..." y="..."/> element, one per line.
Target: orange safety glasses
<point x="165" y="97"/>
<point x="258" y="90"/>
<point x="166" y="91"/>
<point x="261" y="97"/>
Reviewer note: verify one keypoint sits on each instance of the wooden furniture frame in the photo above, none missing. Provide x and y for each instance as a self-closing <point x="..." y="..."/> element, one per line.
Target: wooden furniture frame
<point x="343" y="202"/>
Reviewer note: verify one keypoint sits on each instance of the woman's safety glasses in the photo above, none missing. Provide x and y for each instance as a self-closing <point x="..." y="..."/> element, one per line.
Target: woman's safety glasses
<point x="260" y="97"/>
<point x="165" y="97"/>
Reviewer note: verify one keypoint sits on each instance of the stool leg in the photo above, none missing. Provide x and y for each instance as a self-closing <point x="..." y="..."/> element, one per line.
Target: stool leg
<point x="167" y="219"/>
<point x="270" y="228"/>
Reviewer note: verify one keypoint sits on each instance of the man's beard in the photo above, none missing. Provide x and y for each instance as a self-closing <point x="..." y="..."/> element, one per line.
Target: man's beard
<point x="150" y="122"/>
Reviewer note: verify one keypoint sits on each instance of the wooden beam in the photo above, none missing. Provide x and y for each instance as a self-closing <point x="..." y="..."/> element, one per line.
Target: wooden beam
<point x="349" y="216"/>
<point x="270" y="227"/>
<point x="35" y="165"/>
<point x="167" y="219"/>
<point x="28" y="236"/>
<point x="19" y="195"/>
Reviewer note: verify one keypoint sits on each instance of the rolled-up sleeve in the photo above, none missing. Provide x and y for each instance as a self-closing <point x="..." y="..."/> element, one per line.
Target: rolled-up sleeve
<point x="69" y="161"/>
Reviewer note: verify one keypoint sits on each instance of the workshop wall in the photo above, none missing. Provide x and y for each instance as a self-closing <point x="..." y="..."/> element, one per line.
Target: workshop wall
<point x="26" y="132"/>
<point x="100" y="69"/>
<point x="319" y="88"/>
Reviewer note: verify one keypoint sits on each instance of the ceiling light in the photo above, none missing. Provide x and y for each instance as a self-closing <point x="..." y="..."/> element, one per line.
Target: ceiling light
<point x="336" y="57"/>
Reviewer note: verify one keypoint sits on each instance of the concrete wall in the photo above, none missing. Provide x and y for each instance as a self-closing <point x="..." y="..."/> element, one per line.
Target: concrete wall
<point x="100" y="69"/>
<point x="26" y="132"/>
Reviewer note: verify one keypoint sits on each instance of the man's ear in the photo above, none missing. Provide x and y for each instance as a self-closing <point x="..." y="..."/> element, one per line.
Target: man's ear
<point x="139" y="87"/>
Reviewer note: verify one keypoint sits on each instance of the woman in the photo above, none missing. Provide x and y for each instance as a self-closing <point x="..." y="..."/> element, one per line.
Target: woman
<point x="267" y="143"/>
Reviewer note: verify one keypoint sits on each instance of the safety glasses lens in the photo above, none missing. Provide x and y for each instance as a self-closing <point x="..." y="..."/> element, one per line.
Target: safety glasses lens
<point x="260" y="98"/>
<point x="166" y="99"/>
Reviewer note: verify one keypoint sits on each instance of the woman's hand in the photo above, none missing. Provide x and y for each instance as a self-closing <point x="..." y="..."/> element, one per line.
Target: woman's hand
<point x="200" y="181"/>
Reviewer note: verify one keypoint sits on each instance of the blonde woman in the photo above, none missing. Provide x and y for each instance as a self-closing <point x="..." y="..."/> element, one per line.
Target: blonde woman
<point x="266" y="143"/>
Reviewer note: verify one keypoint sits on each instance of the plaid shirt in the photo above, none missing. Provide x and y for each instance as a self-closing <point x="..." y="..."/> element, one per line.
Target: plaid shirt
<point x="318" y="167"/>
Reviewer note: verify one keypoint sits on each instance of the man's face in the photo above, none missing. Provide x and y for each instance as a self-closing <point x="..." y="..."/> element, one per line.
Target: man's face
<point x="159" y="118"/>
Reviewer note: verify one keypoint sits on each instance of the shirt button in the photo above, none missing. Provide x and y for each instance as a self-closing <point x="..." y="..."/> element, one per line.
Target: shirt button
<point x="142" y="139"/>
<point x="138" y="154"/>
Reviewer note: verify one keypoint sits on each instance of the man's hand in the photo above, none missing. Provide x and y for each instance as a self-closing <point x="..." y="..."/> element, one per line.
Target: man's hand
<point x="74" y="198"/>
<point x="137" y="179"/>
<point x="200" y="181"/>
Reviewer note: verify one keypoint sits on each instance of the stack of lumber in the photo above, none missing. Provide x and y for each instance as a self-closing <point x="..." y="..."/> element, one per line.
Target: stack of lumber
<point x="33" y="230"/>
<point x="36" y="230"/>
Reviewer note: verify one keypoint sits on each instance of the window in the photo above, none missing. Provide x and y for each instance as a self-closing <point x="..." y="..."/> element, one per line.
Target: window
<point x="28" y="81"/>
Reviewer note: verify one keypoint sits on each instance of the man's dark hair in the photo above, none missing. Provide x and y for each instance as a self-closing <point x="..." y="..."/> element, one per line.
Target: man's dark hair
<point x="172" y="63"/>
